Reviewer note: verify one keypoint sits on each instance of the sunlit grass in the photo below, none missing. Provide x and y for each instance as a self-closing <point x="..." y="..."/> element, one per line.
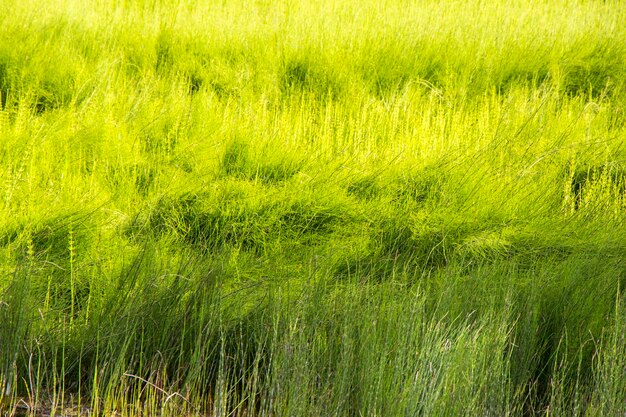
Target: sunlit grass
<point x="329" y="208"/>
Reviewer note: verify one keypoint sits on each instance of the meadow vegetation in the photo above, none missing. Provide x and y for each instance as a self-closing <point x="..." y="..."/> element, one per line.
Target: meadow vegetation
<point x="332" y="208"/>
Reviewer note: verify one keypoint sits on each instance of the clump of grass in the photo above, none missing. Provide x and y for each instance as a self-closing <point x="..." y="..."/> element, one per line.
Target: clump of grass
<point x="592" y="186"/>
<point x="302" y="75"/>
<point x="592" y="77"/>
<point x="235" y="217"/>
<point x="5" y="81"/>
<point x="609" y="389"/>
<point x="365" y="188"/>
<point x="237" y="162"/>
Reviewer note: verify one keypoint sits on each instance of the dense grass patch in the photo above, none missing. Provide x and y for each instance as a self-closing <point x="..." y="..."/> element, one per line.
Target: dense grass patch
<point x="339" y="208"/>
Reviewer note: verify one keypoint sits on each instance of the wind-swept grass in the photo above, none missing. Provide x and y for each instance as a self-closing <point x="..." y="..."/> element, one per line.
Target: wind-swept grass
<point x="331" y="208"/>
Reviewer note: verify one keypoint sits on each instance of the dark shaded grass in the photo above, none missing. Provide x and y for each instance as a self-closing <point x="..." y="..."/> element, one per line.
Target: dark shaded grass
<point x="238" y="162"/>
<point x="584" y="180"/>
<point x="184" y="331"/>
<point x="4" y="81"/>
<point x="304" y="75"/>
<point x="597" y="74"/>
<point x="232" y="220"/>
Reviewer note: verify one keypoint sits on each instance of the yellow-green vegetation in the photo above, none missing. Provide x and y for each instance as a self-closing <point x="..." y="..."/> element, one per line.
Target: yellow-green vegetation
<point x="290" y="208"/>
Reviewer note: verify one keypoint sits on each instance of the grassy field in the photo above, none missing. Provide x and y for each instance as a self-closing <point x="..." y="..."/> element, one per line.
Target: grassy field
<point x="333" y="208"/>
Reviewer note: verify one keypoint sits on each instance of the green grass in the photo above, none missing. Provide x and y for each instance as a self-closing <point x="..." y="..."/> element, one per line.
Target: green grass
<point x="376" y="208"/>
